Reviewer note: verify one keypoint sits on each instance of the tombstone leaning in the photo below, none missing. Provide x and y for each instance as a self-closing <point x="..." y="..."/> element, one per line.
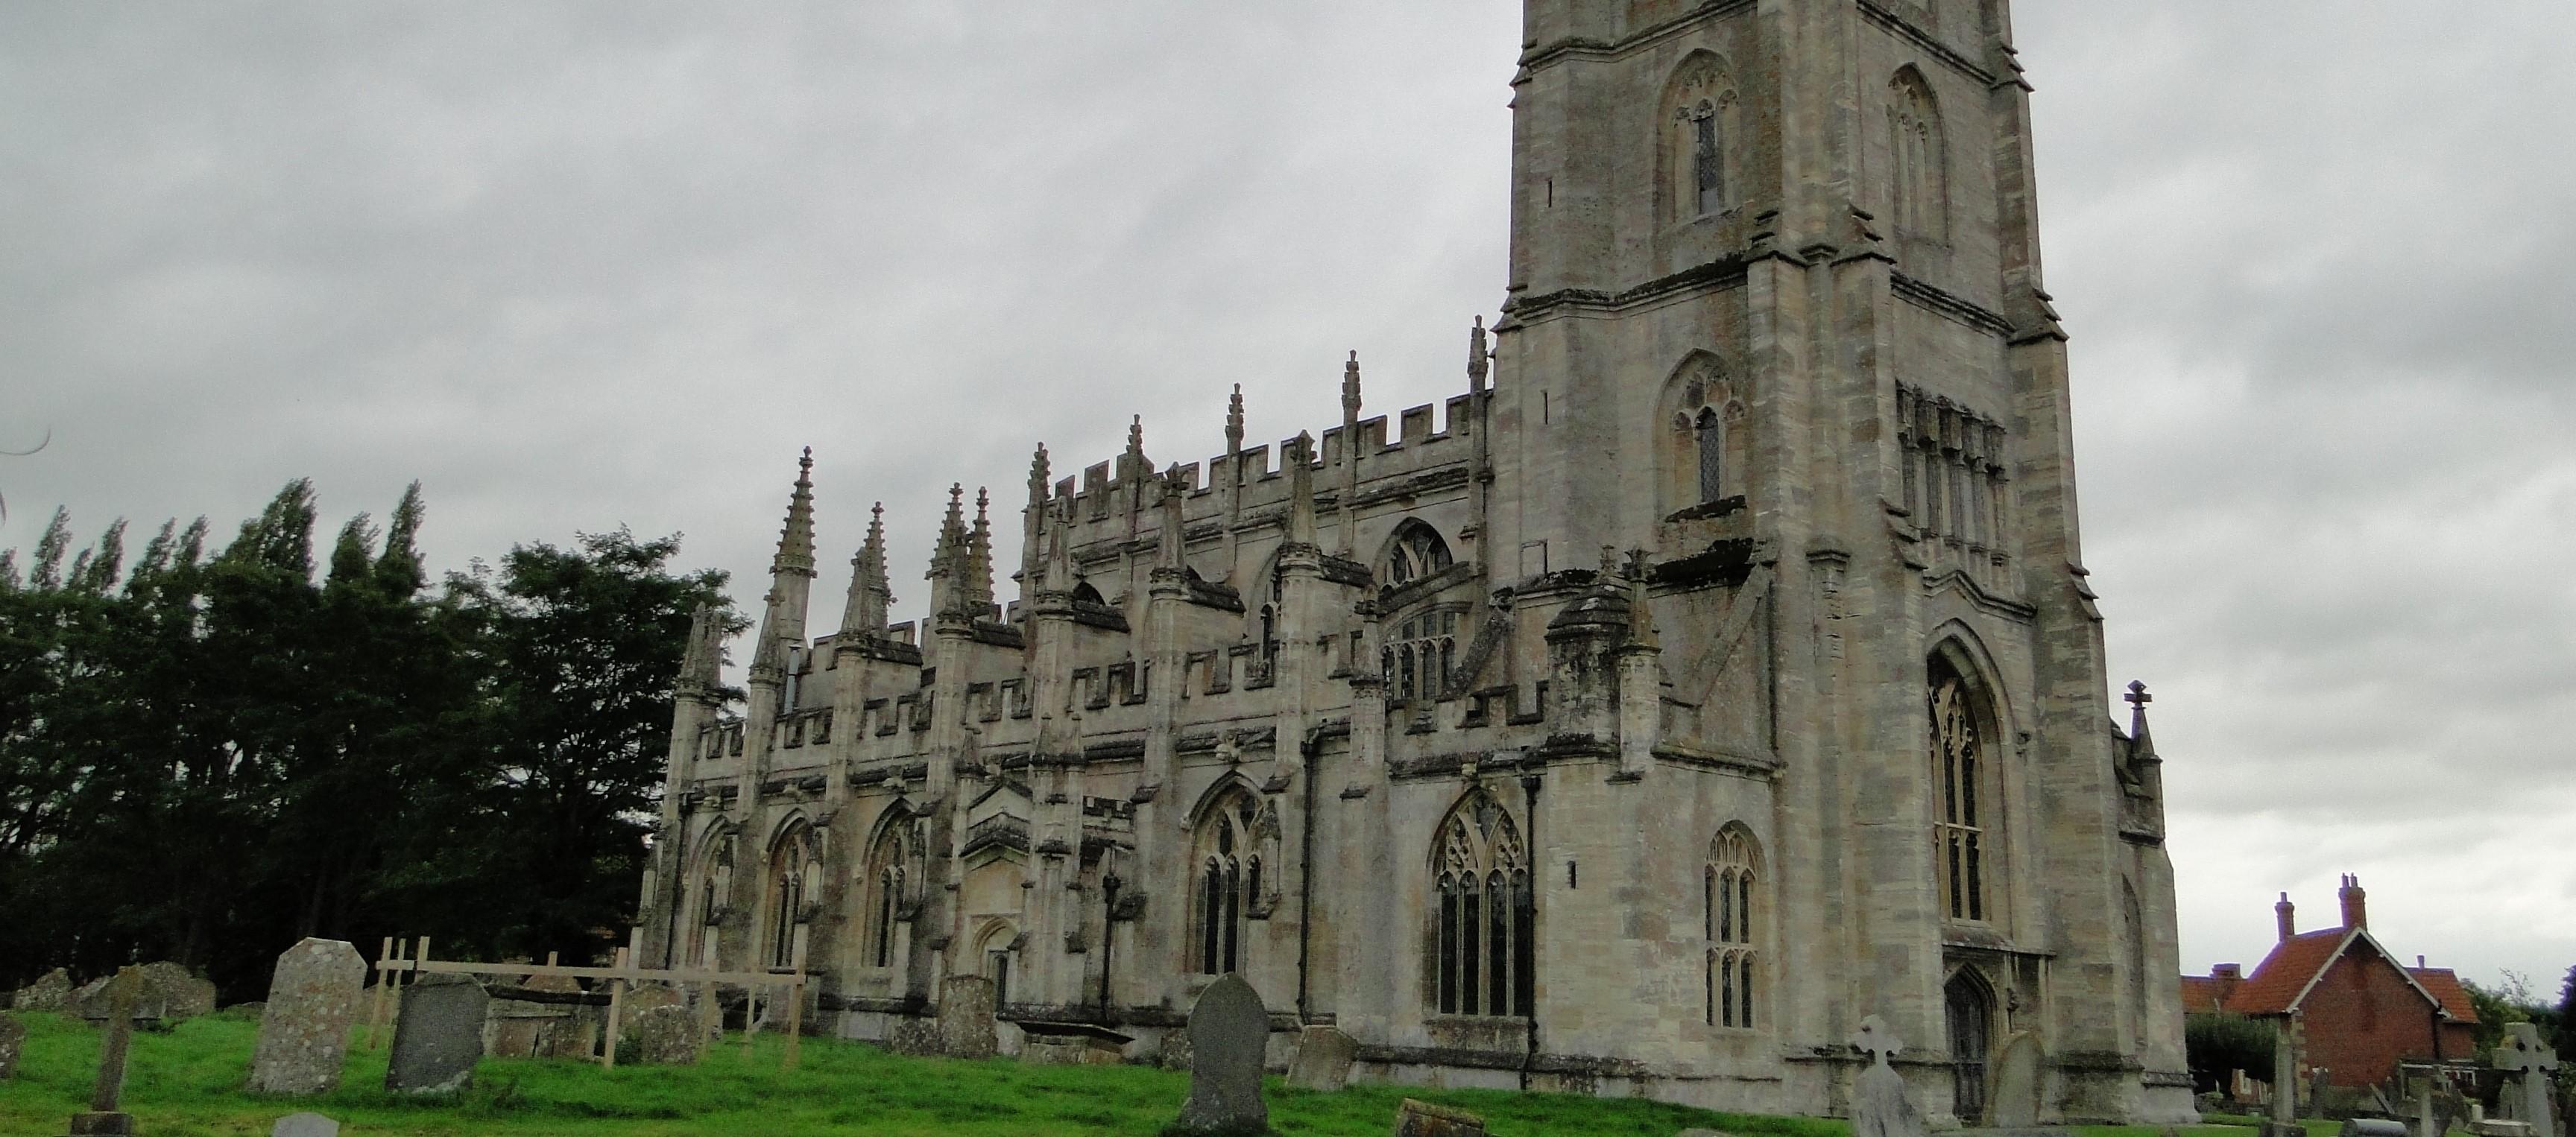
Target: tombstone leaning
<point x="304" y="1030"/>
<point x="1229" y="1030"/>
<point x="439" y="1035"/>
<point x="1323" y="1062"/>
<point x="1417" y="1118"/>
<point x="1880" y="1107"/>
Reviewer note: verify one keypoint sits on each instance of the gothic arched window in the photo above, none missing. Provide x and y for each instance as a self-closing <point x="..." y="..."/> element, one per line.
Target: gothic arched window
<point x="1699" y="114"/>
<point x="1418" y="658"/>
<point x="1712" y="449"/>
<point x="1729" y="890"/>
<point x="1963" y="778"/>
<point x="1227" y="885"/>
<point x="791" y="878"/>
<point x="1483" y="956"/>
<point x="715" y="895"/>
<point x="1918" y="164"/>
<point x="888" y="881"/>
<point x="1417" y="552"/>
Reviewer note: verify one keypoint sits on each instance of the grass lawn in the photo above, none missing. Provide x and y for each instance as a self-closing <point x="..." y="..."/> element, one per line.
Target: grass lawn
<point x="188" y="1082"/>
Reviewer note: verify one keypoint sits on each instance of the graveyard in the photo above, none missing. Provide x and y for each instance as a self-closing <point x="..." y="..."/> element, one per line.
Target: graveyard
<point x="191" y="1080"/>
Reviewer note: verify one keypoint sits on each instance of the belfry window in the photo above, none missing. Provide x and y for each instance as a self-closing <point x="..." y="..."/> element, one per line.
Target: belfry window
<point x="1962" y="838"/>
<point x="1711" y="437"/>
<point x="1229" y="883"/>
<point x="1727" y="897"/>
<point x="1418" y="552"/>
<point x="1708" y="169"/>
<point x="1918" y="162"/>
<point x="1699" y="112"/>
<point x="1483" y="956"/>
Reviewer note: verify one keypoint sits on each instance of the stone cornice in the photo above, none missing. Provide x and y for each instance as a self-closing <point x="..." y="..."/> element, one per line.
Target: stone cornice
<point x="1904" y="29"/>
<point x="1947" y="304"/>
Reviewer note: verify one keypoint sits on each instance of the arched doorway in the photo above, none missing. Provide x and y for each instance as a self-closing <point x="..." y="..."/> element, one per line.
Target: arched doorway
<point x="1970" y="1005"/>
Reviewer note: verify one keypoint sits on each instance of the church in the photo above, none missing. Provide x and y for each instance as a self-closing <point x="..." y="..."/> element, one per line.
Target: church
<point x="1715" y="670"/>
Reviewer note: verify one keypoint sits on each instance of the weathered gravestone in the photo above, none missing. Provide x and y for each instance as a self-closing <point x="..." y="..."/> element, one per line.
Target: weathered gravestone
<point x="13" y="1039"/>
<point x="2015" y="1103"/>
<point x="963" y="1027"/>
<point x="50" y="992"/>
<point x="1323" y="1062"/>
<point x="104" y="1119"/>
<point x="2523" y="1054"/>
<point x="179" y="994"/>
<point x="666" y="1035"/>
<point x="1071" y="1044"/>
<point x="304" y="1125"/>
<point x="1229" y="1030"/>
<point x="304" y="1030"/>
<point x="1417" y="1118"/>
<point x="1880" y="1107"/>
<point x="439" y="1037"/>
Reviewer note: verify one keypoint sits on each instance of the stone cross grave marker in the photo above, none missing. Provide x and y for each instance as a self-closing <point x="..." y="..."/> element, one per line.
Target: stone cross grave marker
<point x="2523" y="1053"/>
<point x="304" y="1030"/>
<point x="104" y="1118"/>
<point x="1229" y="1029"/>
<point x="439" y="1035"/>
<point x="1880" y="1107"/>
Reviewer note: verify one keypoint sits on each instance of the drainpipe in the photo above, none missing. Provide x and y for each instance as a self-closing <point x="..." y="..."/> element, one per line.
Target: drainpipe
<point x="1306" y="867"/>
<point x="1529" y="797"/>
<point x="1109" y="883"/>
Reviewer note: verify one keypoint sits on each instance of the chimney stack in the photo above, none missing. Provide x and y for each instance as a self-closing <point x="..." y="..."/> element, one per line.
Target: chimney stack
<point x="2355" y="914"/>
<point x="2227" y="971"/>
<point x="2282" y="912"/>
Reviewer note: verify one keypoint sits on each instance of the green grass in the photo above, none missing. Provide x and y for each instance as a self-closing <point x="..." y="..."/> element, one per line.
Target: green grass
<point x="187" y="1083"/>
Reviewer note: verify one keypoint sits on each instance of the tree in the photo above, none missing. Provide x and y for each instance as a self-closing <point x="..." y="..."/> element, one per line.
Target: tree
<point x="2215" y="1042"/>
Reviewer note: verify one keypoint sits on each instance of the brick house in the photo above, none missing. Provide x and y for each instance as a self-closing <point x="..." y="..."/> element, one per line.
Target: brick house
<point x="2354" y="1009"/>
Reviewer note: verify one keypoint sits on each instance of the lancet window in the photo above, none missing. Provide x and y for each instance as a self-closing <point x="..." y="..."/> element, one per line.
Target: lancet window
<point x="1963" y="838"/>
<point x="791" y="883"/>
<point x="1484" y="958"/>
<point x="1729" y="890"/>
<point x="1713" y="445"/>
<point x="715" y="896"/>
<point x="1699" y="113"/>
<point x="1229" y="883"/>
<point x="889" y="881"/>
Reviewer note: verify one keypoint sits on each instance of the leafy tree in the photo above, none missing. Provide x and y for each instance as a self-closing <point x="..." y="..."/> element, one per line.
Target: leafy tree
<point x="2216" y="1042"/>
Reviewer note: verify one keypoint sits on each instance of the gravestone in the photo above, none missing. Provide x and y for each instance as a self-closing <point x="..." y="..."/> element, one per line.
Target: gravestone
<point x="304" y="1030"/>
<point x="1071" y="1044"/>
<point x="304" y="1125"/>
<point x="177" y="994"/>
<point x="1417" y="1118"/>
<point x="964" y="1026"/>
<point x="1229" y="1029"/>
<point x="439" y="1037"/>
<point x="2015" y="1102"/>
<point x="104" y="1119"/>
<point x="2371" y="1127"/>
<point x="1880" y="1107"/>
<point x="13" y="1039"/>
<point x="666" y="1035"/>
<point x="2523" y="1054"/>
<point x="573" y="1032"/>
<point x="1323" y="1062"/>
<point x="50" y="992"/>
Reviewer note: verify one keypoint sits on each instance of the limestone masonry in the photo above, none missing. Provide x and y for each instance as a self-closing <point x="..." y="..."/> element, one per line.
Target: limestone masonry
<point x="1715" y="672"/>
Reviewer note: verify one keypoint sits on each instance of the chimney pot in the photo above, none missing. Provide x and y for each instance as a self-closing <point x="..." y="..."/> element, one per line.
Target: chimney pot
<point x="2283" y="912"/>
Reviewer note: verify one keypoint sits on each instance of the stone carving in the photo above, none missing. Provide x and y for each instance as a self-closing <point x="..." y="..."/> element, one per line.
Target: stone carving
<point x="13" y="1040"/>
<point x="304" y="1031"/>
<point x="304" y="1125"/>
<point x="1323" y="1061"/>
<point x="1880" y="1107"/>
<point x="1417" y="1118"/>
<point x="1229" y="1029"/>
<point x="439" y="1037"/>
<point x="2523" y="1053"/>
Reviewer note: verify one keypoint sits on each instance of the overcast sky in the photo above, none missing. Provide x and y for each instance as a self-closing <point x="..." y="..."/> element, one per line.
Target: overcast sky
<point x="577" y="266"/>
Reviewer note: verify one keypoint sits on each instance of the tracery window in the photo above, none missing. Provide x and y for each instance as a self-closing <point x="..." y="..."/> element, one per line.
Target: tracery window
<point x="1229" y="883"/>
<point x="1727" y="897"/>
<point x="792" y="870"/>
<point x="889" y="876"/>
<point x="715" y="896"/>
<point x="1713" y="443"/>
<point x="1418" y="658"/>
<point x="1963" y="841"/>
<point x="1418" y="552"/>
<point x="1484" y="959"/>
<point x="1917" y="161"/>
<point x="1699" y="108"/>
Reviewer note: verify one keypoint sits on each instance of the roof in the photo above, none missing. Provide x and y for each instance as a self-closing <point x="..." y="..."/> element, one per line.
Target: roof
<point x="2445" y="986"/>
<point x="2284" y="978"/>
<point x="2206" y="992"/>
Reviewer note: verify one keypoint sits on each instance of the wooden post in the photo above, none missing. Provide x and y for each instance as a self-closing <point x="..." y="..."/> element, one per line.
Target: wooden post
<point x="750" y="1016"/>
<point x="795" y="1007"/>
<point x="616" y="1006"/>
<point x="384" y="975"/>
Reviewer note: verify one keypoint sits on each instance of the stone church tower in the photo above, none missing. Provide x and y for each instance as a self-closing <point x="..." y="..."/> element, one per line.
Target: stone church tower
<point x="1720" y="673"/>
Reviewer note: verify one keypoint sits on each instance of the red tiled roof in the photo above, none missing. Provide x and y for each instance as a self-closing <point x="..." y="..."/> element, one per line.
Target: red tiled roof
<point x="2445" y="986"/>
<point x="2278" y="980"/>
<point x="2205" y="993"/>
